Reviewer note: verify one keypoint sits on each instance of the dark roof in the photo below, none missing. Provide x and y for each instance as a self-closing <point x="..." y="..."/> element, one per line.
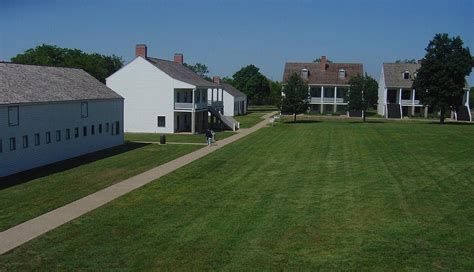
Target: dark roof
<point x="232" y="90"/>
<point x="20" y="83"/>
<point x="393" y="74"/>
<point x="329" y="76"/>
<point x="180" y="72"/>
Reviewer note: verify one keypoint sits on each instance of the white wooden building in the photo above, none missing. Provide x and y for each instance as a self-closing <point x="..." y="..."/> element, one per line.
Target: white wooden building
<point x="49" y="114"/>
<point x="163" y="96"/>
<point x="397" y="98"/>
<point x="234" y="101"/>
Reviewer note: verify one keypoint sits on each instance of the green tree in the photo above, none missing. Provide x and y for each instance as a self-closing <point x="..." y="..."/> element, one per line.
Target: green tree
<point x="228" y="80"/>
<point x="275" y="93"/>
<point x="200" y="69"/>
<point x="251" y="82"/>
<point x="441" y="77"/>
<point x="406" y="61"/>
<point x="295" y="99"/>
<point x="97" y="65"/>
<point x="362" y="93"/>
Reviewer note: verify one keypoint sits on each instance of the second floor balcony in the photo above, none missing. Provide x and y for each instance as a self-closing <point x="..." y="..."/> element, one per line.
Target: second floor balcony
<point x="189" y="106"/>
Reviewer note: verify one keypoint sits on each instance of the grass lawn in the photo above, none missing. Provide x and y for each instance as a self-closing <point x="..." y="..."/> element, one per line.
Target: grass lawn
<point x="329" y="195"/>
<point x="262" y="108"/>
<point x="70" y="180"/>
<point x="250" y="119"/>
<point x="180" y="138"/>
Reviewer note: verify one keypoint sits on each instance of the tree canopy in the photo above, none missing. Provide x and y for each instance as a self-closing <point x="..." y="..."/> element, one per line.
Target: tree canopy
<point x="362" y="93"/>
<point x="406" y="61"/>
<point x="295" y="99"/>
<point x="200" y="69"/>
<point x="97" y="65"/>
<point x="251" y="82"/>
<point x="441" y="77"/>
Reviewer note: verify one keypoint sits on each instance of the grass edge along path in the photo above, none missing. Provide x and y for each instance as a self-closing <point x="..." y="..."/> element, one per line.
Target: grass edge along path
<point x="22" y="233"/>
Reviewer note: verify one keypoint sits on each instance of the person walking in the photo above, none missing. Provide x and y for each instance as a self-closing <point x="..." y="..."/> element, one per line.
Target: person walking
<point x="209" y="136"/>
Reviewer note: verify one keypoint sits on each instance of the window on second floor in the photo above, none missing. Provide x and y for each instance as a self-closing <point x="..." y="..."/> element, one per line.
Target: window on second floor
<point x="13" y="116"/>
<point x="25" y="141"/>
<point x="84" y="109"/>
<point x="12" y="144"/>
<point x="48" y="137"/>
<point x="58" y="135"/>
<point x="342" y="73"/>
<point x="406" y="75"/>
<point x="76" y="132"/>
<point x="37" y="139"/>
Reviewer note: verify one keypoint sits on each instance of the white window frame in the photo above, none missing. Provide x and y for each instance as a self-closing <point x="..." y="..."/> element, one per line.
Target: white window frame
<point x="13" y="110"/>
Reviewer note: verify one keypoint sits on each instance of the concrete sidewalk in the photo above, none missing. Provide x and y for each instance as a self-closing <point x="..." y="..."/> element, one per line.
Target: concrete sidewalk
<point x="24" y="232"/>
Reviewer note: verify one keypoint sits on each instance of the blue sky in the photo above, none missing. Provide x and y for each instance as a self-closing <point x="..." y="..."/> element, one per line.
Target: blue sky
<point x="227" y="35"/>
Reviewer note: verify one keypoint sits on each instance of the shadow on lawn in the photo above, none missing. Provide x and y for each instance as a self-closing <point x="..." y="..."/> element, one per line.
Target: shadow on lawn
<point x="302" y="121"/>
<point x="454" y="123"/>
<point x="367" y="122"/>
<point x="57" y="167"/>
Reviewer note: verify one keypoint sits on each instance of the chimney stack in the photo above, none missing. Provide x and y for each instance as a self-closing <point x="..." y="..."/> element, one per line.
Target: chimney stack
<point x="178" y="57"/>
<point x="141" y="50"/>
<point x="323" y="63"/>
<point x="216" y="80"/>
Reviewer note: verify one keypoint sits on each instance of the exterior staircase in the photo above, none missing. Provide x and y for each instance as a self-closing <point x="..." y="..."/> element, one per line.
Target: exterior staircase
<point x="228" y="121"/>
<point x="393" y="111"/>
<point x="463" y="114"/>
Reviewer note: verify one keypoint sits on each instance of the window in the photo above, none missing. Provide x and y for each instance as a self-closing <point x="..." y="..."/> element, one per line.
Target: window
<point x="406" y="95"/>
<point x="100" y="128"/>
<point x="304" y="73"/>
<point x="342" y="73"/>
<point x="76" y="132"/>
<point x="84" y="109"/>
<point x="25" y="141"/>
<point x="1" y="146"/>
<point x="48" y="137"/>
<point x="84" y="131"/>
<point x="68" y="134"/>
<point x="12" y="144"/>
<point x="92" y="130"/>
<point x="406" y="75"/>
<point x="37" y="139"/>
<point x="106" y="127"/>
<point x="315" y="91"/>
<point x="161" y="121"/>
<point x="13" y="116"/>
<point x="117" y="128"/>
<point x="58" y="135"/>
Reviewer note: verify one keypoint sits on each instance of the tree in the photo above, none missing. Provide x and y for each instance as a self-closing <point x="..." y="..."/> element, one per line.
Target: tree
<point x="319" y="60"/>
<point x="275" y="93"/>
<point x="362" y="93"/>
<point x="441" y="77"/>
<point x="251" y="82"/>
<point x="200" y="69"/>
<point x="295" y="99"/>
<point x="406" y="61"/>
<point x="97" y="65"/>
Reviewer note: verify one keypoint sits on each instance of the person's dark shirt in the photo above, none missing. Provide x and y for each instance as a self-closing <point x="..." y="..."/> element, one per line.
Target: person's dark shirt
<point x="208" y="134"/>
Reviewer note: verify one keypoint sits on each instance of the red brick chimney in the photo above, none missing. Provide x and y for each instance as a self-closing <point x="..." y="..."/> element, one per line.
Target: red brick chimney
<point x="323" y="63"/>
<point x="216" y="80"/>
<point x="141" y="50"/>
<point x="178" y="57"/>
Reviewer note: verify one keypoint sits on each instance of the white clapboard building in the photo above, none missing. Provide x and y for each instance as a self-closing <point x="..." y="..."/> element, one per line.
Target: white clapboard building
<point x="49" y="114"/>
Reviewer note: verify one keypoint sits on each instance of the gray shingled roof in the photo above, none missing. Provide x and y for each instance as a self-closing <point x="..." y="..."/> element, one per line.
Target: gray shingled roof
<point x="181" y="72"/>
<point x="393" y="74"/>
<point x="21" y="83"/>
<point x="329" y="76"/>
<point x="232" y="90"/>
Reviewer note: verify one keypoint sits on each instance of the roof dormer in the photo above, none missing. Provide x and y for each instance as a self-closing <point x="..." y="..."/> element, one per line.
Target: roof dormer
<point x="342" y="73"/>
<point x="406" y="75"/>
<point x="304" y="74"/>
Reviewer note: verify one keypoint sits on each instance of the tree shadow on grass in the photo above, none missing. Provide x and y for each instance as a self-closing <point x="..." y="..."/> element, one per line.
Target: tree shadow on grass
<point x="451" y="123"/>
<point x="367" y="122"/>
<point x="302" y="122"/>
<point x="57" y="167"/>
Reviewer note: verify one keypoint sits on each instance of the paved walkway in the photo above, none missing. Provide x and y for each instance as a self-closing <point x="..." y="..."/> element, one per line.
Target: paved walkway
<point x="24" y="232"/>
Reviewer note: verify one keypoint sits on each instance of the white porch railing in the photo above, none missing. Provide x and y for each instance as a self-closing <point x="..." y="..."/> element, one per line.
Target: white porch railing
<point x="215" y="103"/>
<point x="183" y="106"/>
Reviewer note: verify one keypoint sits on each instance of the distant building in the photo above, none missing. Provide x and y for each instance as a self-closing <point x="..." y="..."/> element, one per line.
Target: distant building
<point x="328" y="82"/>
<point x="397" y="98"/>
<point x="49" y="114"/>
<point x="163" y="96"/>
<point x="235" y="101"/>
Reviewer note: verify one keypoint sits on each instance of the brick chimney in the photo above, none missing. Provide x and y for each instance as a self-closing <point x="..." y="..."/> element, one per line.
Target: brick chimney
<point x="216" y="80"/>
<point x="141" y="50"/>
<point x="179" y="58"/>
<point x="323" y="63"/>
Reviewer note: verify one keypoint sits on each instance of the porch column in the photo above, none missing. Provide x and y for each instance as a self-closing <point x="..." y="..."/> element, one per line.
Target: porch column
<point x="413" y="102"/>
<point x="426" y="112"/>
<point x="400" y="102"/>
<point x="321" y="110"/>
<point x="193" y="122"/>
<point x="335" y="99"/>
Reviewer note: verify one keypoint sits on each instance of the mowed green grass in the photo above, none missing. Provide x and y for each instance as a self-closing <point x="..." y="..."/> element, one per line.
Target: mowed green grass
<point x="250" y="119"/>
<point x="326" y="195"/>
<point x="178" y="138"/>
<point x="37" y="196"/>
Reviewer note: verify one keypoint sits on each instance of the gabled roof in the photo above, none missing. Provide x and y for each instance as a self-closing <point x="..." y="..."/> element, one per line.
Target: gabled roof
<point x="328" y="76"/>
<point x="393" y="74"/>
<point x="232" y="90"/>
<point x="180" y="72"/>
<point x="20" y="83"/>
